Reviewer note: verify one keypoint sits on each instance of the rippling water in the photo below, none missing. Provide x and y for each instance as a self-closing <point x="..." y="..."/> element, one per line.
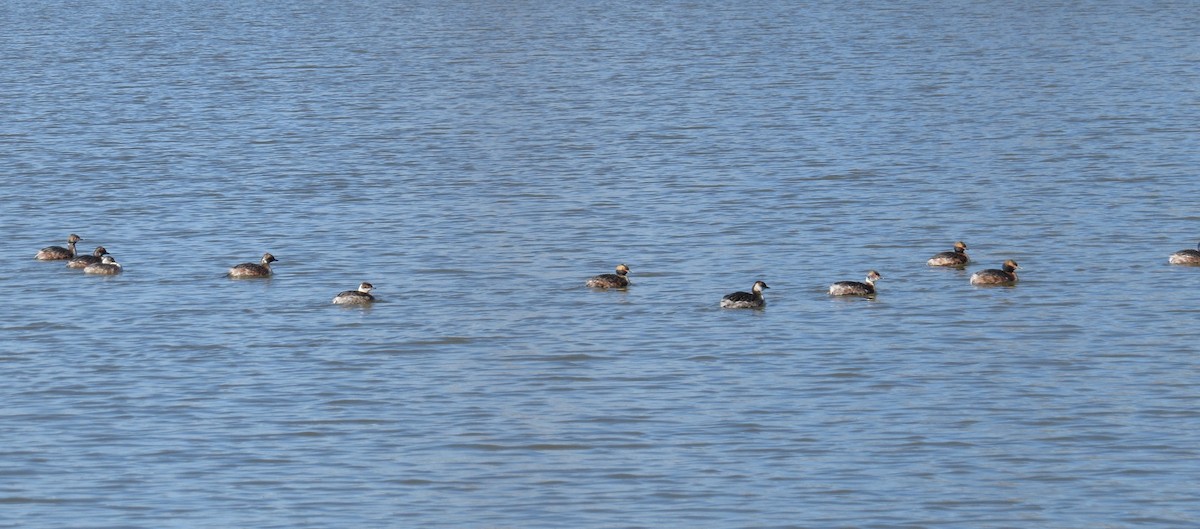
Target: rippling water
<point x="478" y="161"/>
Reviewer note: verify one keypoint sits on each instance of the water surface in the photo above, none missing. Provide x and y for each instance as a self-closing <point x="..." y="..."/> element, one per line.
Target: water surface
<point x="478" y="162"/>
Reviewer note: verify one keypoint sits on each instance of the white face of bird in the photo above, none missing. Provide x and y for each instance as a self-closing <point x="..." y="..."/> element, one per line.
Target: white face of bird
<point x="759" y="286"/>
<point x="622" y="269"/>
<point x="365" y="287"/>
<point x="873" y="276"/>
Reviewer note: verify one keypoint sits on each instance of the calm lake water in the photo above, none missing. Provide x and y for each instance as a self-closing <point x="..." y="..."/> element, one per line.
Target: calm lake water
<point x="478" y="161"/>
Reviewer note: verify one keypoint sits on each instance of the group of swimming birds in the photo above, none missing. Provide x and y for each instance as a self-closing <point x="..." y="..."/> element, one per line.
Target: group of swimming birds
<point x="957" y="258"/>
<point x="100" y="262"/>
<point x="753" y="299"/>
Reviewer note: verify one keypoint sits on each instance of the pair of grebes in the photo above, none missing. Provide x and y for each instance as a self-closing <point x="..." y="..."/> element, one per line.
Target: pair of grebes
<point x="1007" y="275"/>
<point x="262" y="268"/>
<point x="101" y="263"/>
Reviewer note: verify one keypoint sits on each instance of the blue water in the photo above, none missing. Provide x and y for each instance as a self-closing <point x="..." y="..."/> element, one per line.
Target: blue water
<point x="477" y="162"/>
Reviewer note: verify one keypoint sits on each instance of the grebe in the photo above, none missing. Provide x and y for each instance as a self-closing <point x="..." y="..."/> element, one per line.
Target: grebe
<point x="107" y="266"/>
<point x="84" y="260"/>
<point x="991" y="276"/>
<point x="362" y="296"/>
<point x="53" y="253"/>
<point x="260" y="269"/>
<point x="854" y="288"/>
<point x="956" y="258"/>
<point x="617" y="280"/>
<point x="746" y="300"/>
<point x="1188" y="257"/>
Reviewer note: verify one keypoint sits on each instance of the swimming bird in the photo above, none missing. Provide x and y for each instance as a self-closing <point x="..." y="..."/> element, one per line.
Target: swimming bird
<point x="107" y="266"/>
<point x="617" y="280"/>
<point x="259" y="269"/>
<point x="746" y="300"/>
<point x="362" y="296"/>
<point x="53" y="253"/>
<point x="1187" y="257"/>
<point x="854" y="288"/>
<point x="991" y="276"/>
<point x="84" y="260"/>
<point x="956" y="258"/>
